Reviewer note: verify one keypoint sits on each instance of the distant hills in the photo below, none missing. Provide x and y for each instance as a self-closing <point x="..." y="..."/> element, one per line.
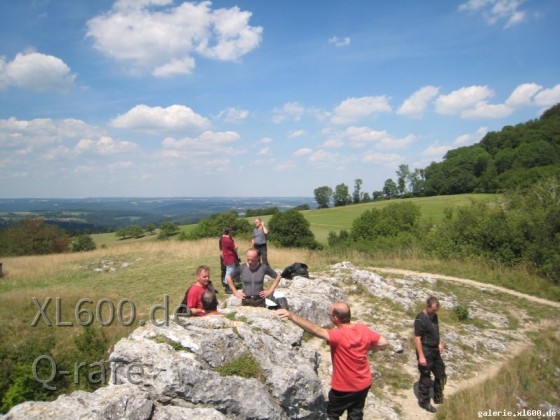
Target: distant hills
<point x="104" y="214"/>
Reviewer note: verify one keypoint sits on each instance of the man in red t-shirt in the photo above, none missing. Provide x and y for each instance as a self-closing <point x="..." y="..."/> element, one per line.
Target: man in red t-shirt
<point x="350" y="344"/>
<point x="194" y="293"/>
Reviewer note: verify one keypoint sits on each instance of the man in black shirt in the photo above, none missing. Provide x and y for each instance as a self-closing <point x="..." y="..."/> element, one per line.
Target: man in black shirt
<point x="429" y="348"/>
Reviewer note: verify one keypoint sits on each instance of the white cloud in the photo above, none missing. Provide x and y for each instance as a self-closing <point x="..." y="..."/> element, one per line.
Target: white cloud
<point x="470" y="139"/>
<point x="36" y="72"/>
<point x="292" y="111"/>
<point x="324" y="157"/>
<point x="360" y="136"/>
<point x="523" y="94"/>
<point x="548" y="97"/>
<point x="104" y="146"/>
<point x="354" y="109"/>
<point x="436" y="150"/>
<point x="416" y="104"/>
<point x="296" y="133"/>
<point x="266" y="140"/>
<point x="461" y="99"/>
<point x="381" y="158"/>
<point x="123" y="164"/>
<point x="157" y="36"/>
<point x="495" y="10"/>
<point x="174" y="117"/>
<point x="233" y="115"/>
<point x="264" y="151"/>
<point x="333" y="143"/>
<point x="304" y="151"/>
<point x="485" y="110"/>
<point x="175" y="66"/>
<point x="285" y="167"/>
<point x="210" y="144"/>
<point x="339" y="42"/>
<point x="32" y="134"/>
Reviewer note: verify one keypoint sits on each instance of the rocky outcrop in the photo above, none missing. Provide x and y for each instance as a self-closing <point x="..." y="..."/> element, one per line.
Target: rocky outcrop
<point x="197" y="367"/>
<point x="172" y="372"/>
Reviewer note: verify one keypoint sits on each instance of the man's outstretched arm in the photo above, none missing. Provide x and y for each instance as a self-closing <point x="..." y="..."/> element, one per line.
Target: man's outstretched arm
<point x="308" y="326"/>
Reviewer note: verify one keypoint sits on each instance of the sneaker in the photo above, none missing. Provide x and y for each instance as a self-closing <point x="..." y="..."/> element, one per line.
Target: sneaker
<point x="428" y="407"/>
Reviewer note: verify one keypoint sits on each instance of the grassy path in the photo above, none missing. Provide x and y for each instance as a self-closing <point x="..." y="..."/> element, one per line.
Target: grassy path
<point x="467" y="282"/>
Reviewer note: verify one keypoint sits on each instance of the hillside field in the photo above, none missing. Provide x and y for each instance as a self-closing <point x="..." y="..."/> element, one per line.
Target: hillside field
<point x="335" y="219"/>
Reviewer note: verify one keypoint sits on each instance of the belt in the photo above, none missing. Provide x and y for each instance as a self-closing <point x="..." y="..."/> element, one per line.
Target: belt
<point x="253" y="297"/>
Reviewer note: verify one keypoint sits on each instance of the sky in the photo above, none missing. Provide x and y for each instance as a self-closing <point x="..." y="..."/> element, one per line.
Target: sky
<point x="163" y="98"/>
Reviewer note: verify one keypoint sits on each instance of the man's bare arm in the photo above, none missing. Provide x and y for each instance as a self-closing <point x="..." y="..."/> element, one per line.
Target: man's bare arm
<point x="308" y="326"/>
<point x="380" y="345"/>
<point x="270" y="291"/>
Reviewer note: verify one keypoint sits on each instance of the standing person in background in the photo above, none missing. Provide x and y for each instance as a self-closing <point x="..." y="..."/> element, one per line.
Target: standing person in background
<point x="429" y="348"/>
<point x="229" y="256"/>
<point x="350" y="344"/>
<point x="259" y="240"/>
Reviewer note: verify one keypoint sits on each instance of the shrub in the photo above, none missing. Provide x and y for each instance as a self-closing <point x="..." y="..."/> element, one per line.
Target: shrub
<point x="83" y="243"/>
<point x="462" y="312"/>
<point x="33" y="237"/>
<point x="215" y="224"/>
<point x="291" y="229"/>
<point x="167" y="229"/>
<point x="244" y="366"/>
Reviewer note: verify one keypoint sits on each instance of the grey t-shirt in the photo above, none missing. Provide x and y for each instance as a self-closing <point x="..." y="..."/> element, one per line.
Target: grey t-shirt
<point x="259" y="236"/>
<point x="253" y="280"/>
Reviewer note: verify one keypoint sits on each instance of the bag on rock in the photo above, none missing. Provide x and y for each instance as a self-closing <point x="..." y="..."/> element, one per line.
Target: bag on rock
<point x="296" y="269"/>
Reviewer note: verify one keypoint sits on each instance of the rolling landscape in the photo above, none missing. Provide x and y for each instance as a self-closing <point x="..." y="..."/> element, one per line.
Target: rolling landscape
<point x="399" y="150"/>
<point x="145" y="270"/>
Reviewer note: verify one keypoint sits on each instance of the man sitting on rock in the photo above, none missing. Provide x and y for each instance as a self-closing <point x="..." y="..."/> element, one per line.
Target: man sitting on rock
<point x="209" y="303"/>
<point x="194" y="293"/>
<point x="252" y="278"/>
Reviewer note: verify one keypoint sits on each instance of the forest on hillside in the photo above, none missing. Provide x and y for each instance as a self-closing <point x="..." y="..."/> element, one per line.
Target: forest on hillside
<point x="515" y="157"/>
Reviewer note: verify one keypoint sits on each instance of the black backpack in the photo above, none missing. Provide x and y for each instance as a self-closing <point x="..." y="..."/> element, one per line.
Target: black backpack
<point x="296" y="269"/>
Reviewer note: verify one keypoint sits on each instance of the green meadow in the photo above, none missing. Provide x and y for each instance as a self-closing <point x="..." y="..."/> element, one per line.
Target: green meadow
<point x="336" y="219"/>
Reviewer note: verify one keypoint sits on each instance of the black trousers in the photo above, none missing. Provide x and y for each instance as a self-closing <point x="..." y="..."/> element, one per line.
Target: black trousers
<point x="339" y="402"/>
<point x="261" y="249"/>
<point x="435" y="365"/>
<point x="255" y="301"/>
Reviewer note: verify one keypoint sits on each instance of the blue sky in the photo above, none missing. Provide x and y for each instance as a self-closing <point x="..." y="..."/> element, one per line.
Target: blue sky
<point x="258" y="98"/>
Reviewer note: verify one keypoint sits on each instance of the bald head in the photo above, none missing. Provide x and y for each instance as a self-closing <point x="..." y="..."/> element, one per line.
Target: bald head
<point x="341" y="311"/>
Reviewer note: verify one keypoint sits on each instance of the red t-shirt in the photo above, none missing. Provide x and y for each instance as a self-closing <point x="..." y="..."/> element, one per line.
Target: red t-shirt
<point x="228" y="250"/>
<point x="349" y="349"/>
<point x="194" y="300"/>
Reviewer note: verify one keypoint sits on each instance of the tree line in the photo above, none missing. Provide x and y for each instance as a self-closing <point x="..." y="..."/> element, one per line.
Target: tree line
<point x="514" y="157"/>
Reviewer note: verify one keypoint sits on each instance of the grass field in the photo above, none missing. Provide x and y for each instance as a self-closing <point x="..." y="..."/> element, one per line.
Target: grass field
<point x="432" y="209"/>
<point x="146" y="270"/>
<point x="335" y="219"/>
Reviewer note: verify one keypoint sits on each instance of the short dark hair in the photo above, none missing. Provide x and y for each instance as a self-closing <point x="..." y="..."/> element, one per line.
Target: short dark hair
<point x="432" y="300"/>
<point x="227" y="230"/>
<point x="209" y="301"/>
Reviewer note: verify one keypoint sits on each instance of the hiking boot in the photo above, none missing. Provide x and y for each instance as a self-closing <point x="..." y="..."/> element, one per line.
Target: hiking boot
<point x="428" y="407"/>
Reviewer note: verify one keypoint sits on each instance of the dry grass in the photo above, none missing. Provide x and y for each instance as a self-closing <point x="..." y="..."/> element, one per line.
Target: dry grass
<point x="158" y="268"/>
